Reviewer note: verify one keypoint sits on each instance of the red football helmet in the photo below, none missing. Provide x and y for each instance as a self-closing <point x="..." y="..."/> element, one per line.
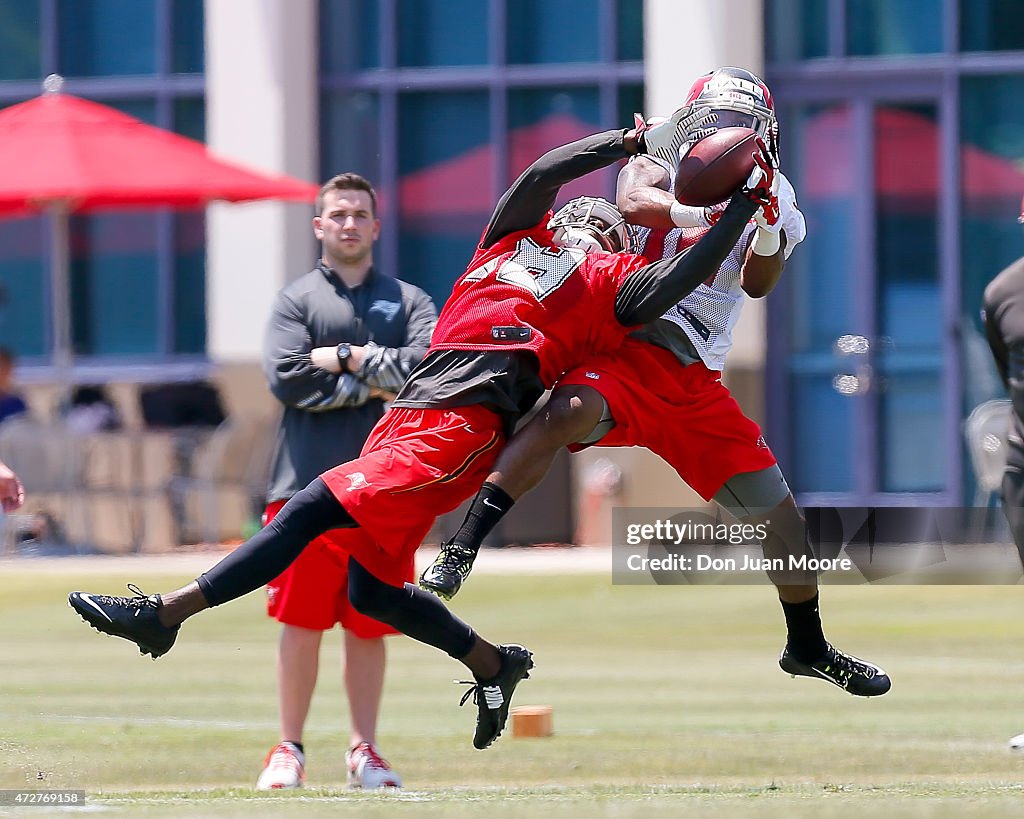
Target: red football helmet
<point x="737" y="96"/>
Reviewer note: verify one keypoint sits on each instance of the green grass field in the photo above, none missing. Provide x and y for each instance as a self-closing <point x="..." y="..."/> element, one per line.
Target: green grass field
<point x="667" y="700"/>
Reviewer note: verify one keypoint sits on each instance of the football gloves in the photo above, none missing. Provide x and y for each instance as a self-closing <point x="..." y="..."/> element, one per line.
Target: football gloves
<point x="762" y="187"/>
<point x="663" y="138"/>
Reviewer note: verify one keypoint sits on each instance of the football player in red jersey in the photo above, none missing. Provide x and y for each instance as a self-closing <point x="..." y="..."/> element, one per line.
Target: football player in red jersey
<point x="541" y="294"/>
<point x="662" y="388"/>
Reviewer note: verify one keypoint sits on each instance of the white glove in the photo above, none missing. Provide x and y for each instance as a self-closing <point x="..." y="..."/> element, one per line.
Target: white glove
<point x="664" y="137"/>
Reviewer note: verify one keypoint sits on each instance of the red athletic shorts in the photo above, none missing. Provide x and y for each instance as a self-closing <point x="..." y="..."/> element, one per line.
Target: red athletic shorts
<point x="313" y="592"/>
<point x="416" y="464"/>
<point x="683" y="414"/>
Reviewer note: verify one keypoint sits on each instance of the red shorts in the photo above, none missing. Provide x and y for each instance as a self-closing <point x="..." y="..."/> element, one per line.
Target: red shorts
<point x="313" y="592"/>
<point x="684" y="414"/>
<point x="416" y="464"/>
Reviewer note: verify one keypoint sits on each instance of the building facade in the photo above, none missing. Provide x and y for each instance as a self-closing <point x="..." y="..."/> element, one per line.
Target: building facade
<point x="903" y="133"/>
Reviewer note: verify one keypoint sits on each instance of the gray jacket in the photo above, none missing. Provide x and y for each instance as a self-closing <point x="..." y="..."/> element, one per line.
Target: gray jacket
<point x="327" y="416"/>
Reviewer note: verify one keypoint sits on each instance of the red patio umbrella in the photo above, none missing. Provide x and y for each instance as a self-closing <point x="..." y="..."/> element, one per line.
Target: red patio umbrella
<point x="60" y="154"/>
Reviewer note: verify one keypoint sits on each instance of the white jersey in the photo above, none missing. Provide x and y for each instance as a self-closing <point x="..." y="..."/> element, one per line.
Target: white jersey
<point x="708" y="315"/>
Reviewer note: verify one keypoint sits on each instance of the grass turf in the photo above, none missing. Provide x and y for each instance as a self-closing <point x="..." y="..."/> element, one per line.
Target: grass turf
<point x="666" y="699"/>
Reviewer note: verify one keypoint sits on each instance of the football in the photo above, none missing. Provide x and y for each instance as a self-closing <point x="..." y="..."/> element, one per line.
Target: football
<point x="714" y="167"/>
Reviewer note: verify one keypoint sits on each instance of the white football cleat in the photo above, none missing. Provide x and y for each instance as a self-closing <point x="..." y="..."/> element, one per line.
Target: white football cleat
<point x="285" y="768"/>
<point x="368" y="769"/>
<point x="1017" y="743"/>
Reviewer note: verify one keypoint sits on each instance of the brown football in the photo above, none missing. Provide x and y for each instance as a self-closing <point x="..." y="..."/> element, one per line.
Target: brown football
<point x="715" y="167"/>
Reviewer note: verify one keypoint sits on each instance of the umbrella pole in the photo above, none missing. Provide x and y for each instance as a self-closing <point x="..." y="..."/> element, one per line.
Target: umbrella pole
<point x="60" y="295"/>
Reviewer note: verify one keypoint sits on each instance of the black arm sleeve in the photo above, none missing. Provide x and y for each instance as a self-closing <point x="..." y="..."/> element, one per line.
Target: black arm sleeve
<point x="531" y="196"/>
<point x="650" y="291"/>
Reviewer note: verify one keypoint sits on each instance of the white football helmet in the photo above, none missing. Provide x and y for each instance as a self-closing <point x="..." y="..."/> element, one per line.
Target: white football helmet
<point x="737" y="97"/>
<point x="592" y="224"/>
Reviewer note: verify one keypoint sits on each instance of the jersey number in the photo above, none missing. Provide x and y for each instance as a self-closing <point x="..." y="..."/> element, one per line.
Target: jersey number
<point x="539" y="270"/>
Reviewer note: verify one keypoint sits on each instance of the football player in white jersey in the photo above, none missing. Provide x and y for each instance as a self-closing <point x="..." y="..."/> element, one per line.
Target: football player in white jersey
<point x="662" y="389"/>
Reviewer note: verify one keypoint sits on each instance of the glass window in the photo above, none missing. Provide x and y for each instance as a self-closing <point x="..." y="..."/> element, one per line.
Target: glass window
<point x="188" y="53"/>
<point x="991" y="25"/>
<point x="630" y="30"/>
<point x="190" y="117"/>
<point x="542" y="119"/>
<point x="992" y="181"/>
<point x="893" y="26"/>
<point x="909" y="306"/>
<point x="107" y="37"/>
<point x="445" y="195"/>
<point x="350" y="134"/>
<point x="190" y="282"/>
<point x="819" y="160"/>
<point x="19" y="40"/>
<point x="113" y="284"/>
<point x="23" y="286"/>
<point x="427" y="32"/>
<point x="797" y="29"/>
<point x="349" y="35"/>
<point x="631" y="101"/>
<point x="552" y="31"/>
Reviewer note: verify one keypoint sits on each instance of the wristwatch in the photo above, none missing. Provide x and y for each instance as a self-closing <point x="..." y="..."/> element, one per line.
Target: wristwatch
<point x="344" y="353"/>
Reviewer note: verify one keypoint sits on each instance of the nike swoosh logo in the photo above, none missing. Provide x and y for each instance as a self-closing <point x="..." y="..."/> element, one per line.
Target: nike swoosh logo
<point x="89" y="600"/>
<point x="493" y="506"/>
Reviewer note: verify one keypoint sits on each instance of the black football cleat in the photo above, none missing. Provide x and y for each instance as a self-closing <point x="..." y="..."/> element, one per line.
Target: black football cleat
<point x="444" y="577"/>
<point x="850" y="673"/>
<point x="494" y="696"/>
<point x="133" y="618"/>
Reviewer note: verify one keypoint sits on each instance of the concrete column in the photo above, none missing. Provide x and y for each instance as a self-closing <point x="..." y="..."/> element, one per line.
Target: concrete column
<point x="261" y="110"/>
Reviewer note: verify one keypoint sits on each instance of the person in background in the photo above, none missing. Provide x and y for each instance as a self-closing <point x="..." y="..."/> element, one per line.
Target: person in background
<point x="12" y="494"/>
<point x="1003" y="316"/>
<point x="11" y="402"/>
<point x="340" y="341"/>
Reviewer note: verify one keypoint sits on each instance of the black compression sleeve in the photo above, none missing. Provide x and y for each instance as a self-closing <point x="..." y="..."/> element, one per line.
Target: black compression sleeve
<point x="649" y="292"/>
<point x="531" y="196"/>
<point x="309" y="513"/>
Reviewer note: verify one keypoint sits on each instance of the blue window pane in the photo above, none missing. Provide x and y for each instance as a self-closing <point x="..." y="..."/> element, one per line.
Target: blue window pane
<point x="630" y="44"/>
<point x="631" y="101"/>
<point x="911" y="428"/>
<point x="797" y="29"/>
<point x="906" y="227"/>
<point x="190" y="282"/>
<point x="187" y="51"/>
<point x="819" y="161"/>
<point x="445" y="195"/>
<point x="893" y="26"/>
<point x="442" y="32"/>
<point x="19" y="40"/>
<point x="991" y="25"/>
<point x="542" y="119"/>
<point x="140" y="109"/>
<point x="24" y="283"/>
<point x="349" y="35"/>
<point x="190" y="117"/>
<point x="114" y="284"/>
<point x="350" y="134"/>
<point x="991" y="183"/>
<point x="821" y="420"/>
<point x="107" y="37"/>
<point x="552" y="31"/>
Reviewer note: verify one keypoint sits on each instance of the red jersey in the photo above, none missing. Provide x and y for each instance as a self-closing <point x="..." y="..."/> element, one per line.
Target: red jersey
<point x="525" y="293"/>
